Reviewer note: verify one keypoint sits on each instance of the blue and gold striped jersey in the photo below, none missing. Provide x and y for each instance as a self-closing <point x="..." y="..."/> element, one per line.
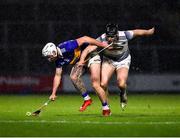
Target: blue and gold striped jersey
<point x="71" y="52"/>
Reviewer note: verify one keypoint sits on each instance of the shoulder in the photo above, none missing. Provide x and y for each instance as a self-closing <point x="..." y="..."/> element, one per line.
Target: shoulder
<point x="68" y="42"/>
<point x="122" y="33"/>
<point x="128" y="34"/>
<point x="68" y="45"/>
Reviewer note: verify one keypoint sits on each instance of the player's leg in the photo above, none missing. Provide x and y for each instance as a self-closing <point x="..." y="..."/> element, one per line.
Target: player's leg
<point x="78" y="83"/>
<point x="122" y="74"/>
<point x="95" y="70"/>
<point x="122" y="70"/>
<point x="106" y="72"/>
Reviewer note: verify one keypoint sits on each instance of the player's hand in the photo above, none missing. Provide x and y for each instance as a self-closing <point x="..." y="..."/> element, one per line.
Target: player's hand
<point x="105" y="44"/>
<point x="111" y="47"/>
<point x="52" y="97"/>
<point x="151" y="31"/>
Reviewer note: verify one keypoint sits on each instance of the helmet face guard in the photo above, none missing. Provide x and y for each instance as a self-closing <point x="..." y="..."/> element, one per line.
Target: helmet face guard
<point x="49" y="49"/>
<point x="111" y="30"/>
<point x="51" y="52"/>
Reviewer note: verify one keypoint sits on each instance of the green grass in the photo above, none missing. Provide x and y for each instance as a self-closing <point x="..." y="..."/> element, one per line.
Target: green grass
<point x="145" y="115"/>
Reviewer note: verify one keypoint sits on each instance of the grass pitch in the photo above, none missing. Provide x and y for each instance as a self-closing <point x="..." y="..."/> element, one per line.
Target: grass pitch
<point x="145" y="115"/>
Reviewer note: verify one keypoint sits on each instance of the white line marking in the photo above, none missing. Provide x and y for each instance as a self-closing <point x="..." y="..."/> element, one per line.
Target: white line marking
<point x="90" y="122"/>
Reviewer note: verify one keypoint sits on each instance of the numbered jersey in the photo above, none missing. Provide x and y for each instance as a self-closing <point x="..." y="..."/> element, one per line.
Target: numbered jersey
<point x="120" y="48"/>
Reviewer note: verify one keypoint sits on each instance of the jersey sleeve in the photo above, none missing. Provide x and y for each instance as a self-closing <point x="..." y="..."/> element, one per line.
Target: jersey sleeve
<point x="102" y="38"/>
<point x="61" y="62"/>
<point x="68" y="46"/>
<point x="58" y="64"/>
<point x="129" y="34"/>
<point x="99" y="39"/>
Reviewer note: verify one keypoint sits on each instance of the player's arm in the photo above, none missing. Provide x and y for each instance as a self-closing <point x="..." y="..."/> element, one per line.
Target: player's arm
<point x="56" y="83"/>
<point x="143" y="32"/>
<point x="85" y="52"/>
<point x="86" y="39"/>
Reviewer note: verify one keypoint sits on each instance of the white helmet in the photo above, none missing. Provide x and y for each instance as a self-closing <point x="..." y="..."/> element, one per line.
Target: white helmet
<point x="49" y="49"/>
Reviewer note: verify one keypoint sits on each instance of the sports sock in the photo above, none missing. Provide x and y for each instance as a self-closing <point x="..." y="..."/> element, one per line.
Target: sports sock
<point x="105" y="106"/>
<point x="86" y="96"/>
<point x="123" y="90"/>
<point x="107" y="94"/>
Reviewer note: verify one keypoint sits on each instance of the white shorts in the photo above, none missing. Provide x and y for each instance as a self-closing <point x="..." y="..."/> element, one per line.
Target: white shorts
<point x="95" y="60"/>
<point x="124" y="63"/>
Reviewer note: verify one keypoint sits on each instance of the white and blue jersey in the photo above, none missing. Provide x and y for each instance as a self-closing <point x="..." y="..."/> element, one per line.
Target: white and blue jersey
<point x="71" y="52"/>
<point x="120" y="49"/>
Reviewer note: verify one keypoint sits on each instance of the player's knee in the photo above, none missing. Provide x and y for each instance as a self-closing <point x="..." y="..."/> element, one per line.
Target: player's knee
<point x="74" y="78"/>
<point x="121" y="84"/>
<point x="104" y="85"/>
<point x="95" y="85"/>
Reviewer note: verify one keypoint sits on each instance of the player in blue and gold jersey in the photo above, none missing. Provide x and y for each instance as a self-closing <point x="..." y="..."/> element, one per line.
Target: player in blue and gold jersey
<point x="66" y="53"/>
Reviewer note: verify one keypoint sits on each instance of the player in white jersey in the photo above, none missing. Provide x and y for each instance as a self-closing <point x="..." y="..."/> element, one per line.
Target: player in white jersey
<point x="118" y="58"/>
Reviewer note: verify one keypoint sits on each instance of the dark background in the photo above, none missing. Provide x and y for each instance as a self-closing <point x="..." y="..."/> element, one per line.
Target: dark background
<point x="27" y="25"/>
